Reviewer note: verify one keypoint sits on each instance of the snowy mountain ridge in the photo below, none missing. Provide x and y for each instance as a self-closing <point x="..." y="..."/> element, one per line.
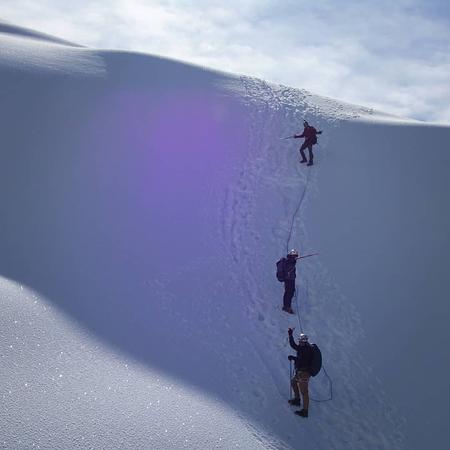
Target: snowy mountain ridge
<point x="145" y="202"/>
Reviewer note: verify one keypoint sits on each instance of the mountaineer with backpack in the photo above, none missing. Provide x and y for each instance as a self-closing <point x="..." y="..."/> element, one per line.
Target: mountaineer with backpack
<point x="310" y="135"/>
<point x="286" y="274"/>
<point x="308" y="362"/>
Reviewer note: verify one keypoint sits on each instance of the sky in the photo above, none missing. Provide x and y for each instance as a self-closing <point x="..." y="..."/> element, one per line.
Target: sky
<point x="391" y="56"/>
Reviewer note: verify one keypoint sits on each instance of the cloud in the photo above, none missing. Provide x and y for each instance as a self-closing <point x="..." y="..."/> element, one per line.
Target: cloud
<point x="393" y="57"/>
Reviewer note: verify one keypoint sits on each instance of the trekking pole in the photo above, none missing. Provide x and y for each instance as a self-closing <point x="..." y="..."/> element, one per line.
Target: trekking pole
<point x="307" y="256"/>
<point x="290" y="379"/>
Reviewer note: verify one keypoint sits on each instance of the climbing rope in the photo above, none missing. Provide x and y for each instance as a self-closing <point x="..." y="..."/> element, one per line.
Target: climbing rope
<point x="294" y="216"/>
<point x="330" y="381"/>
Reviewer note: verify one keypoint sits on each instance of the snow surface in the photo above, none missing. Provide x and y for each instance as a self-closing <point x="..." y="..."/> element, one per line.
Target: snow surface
<point x="144" y="204"/>
<point x="71" y="391"/>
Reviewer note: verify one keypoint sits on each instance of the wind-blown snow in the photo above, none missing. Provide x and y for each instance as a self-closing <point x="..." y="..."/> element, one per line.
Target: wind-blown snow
<point x="46" y="58"/>
<point x="144" y="204"/>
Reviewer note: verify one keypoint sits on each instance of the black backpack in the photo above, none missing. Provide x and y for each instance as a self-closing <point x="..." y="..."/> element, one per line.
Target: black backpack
<point x="281" y="270"/>
<point x="316" y="362"/>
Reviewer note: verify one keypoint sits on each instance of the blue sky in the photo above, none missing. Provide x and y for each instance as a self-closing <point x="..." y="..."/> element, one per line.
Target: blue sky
<point x="392" y="56"/>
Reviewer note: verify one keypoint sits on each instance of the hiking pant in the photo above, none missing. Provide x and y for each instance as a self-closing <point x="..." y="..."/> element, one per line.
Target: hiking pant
<point x="289" y="291"/>
<point x="300" y="386"/>
<point x="309" y="146"/>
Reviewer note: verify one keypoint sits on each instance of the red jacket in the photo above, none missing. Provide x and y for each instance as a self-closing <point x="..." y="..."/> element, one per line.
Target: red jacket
<point x="309" y="133"/>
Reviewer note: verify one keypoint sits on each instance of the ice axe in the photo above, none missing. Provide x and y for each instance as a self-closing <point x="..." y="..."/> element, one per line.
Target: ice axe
<point x="307" y="256"/>
<point x="288" y="137"/>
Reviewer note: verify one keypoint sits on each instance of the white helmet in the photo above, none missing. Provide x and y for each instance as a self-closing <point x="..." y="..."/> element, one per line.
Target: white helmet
<point x="293" y="253"/>
<point x="303" y="337"/>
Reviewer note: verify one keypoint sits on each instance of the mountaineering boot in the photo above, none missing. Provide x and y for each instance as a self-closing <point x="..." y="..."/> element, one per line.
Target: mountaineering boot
<point x="294" y="401"/>
<point x="302" y="413"/>
<point x="288" y="310"/>
<point x="303" y="160"/>
<point x="310" y="163"/>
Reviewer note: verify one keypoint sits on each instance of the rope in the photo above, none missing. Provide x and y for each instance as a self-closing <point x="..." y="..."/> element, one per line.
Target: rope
<point x="330" y="381"/>
<point x="294" y="216"/>
<point x="331" y="389"/>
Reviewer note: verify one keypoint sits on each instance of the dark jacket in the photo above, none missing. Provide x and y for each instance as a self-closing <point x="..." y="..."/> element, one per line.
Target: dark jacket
<point x="310" y="134"/>
<point x="304" y="355"/>
<point x="290" y="272"/>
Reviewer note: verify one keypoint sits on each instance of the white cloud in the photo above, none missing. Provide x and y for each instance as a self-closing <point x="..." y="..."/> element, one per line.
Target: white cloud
<point x="392" y="57"/>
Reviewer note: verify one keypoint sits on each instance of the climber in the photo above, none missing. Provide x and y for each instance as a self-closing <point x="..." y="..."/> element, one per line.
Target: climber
<point x="286" y="273"/>
<point x="310" y="135"/>
<point x="303" y="369"/>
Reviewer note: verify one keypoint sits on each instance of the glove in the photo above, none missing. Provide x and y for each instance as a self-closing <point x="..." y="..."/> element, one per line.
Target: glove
<point x="291" y="358"/>
<point x="290" y="331"/>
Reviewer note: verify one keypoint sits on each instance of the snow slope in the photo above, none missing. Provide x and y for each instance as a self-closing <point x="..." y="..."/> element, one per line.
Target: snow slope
<point x="144" y="203"/>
